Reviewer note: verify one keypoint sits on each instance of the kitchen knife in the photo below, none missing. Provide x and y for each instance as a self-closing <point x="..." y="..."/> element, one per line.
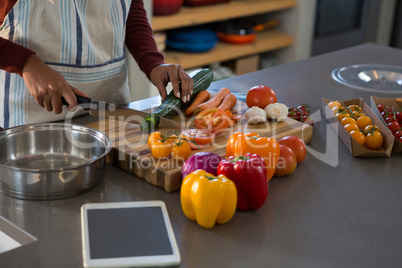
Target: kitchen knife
<point x="121" y="113"/>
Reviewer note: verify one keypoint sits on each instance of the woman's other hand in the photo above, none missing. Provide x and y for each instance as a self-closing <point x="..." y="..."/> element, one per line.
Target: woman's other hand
<point x="182" y="83"/>
<point x="48" y="86"/>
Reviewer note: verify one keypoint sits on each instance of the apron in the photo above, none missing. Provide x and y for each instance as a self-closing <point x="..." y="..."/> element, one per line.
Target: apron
<point x="81" y="39"/>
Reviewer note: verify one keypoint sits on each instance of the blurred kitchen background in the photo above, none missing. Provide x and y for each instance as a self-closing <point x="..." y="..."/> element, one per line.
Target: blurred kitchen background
<point x="234" y="37"/>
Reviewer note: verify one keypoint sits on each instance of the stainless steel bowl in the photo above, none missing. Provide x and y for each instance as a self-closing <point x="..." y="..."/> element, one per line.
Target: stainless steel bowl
<point x="51" y="161"/>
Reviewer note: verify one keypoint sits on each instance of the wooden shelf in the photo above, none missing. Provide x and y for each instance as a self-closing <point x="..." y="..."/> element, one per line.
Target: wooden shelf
<point x="190" y="16"/>
<point x="265" y="41"/>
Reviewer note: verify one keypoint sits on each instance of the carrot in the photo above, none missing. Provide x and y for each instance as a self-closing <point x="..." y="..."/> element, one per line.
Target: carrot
<point x="214" y="102"/>
<point x="201" y="97"/>
<point x="228" y="102"/>
<point x="236" y="117"/>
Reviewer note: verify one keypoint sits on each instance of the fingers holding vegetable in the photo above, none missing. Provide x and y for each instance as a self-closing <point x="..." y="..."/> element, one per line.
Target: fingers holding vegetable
<point x="182" y="83"/>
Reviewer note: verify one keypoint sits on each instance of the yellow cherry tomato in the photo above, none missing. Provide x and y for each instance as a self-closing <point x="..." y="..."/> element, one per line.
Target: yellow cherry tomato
<point x="342" y="115"/>
<point x="372" y="128"/>
<point x="355" y="107"/>
<point x="161" y="149"/>
<point x="336" y="110"/>
<point x="363" y="121"/>
<point x="356" y="114"/>
<point x="181" y="150"/>
<point x="333" y="104"/>
<point x="348" y="120"/>
<point x="154" y="137"/>
<point x="350" y="127"/>
<point x="374" y="140"/>
<point x="358" y="136"/>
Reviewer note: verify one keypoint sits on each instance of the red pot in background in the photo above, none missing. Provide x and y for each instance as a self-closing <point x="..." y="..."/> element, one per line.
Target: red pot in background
<point x="166" y="7"/>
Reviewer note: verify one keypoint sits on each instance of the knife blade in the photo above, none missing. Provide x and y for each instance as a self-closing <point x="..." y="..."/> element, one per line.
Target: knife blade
<point x="112" y="111"/>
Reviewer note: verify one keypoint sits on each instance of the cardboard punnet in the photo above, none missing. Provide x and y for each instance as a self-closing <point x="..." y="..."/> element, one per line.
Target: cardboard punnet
<point x="397" y="148"/>
<point x="356" y="149"/>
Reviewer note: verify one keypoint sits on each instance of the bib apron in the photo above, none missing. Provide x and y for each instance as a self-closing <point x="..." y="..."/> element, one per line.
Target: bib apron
<point x="81" y="39"/>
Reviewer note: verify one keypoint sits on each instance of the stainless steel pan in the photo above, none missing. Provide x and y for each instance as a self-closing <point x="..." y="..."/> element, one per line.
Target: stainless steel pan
<point x="52" y="160"/>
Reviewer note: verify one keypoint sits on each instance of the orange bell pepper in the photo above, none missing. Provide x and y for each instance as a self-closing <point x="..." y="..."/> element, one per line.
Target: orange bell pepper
<point x="268" y="148"/>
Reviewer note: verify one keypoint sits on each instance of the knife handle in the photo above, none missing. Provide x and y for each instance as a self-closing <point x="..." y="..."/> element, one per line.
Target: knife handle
<point x="80" y="100"/>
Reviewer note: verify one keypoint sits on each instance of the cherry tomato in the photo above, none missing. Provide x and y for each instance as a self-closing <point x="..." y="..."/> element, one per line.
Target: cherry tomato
<point x="294" y="113"/>
<point x="394" y="126"/>
<point x="398" y="116"/>
<point x="398" y="135"/>
<point x="354" y="107"/>
<point x="161" y="149"/>
<point x="348" y="120"/>
<point x="181" y="150"/>
<point x="358" y="136"/>
<point x="342" y="115"/>
<point x="374" y="140"/>
<point x="308" y="120"/>
<point x="296" y="145"/>
<point x="356" y="114"/>
<point x="390" y="118"/>
<point x="350" y="127"/>
<point x="363" y="121"/>
<point x="381" y="108"/>
<point x="336" y="110"/>
<point x="333" y="104"/>
<point x="305" y="108"/>
<point x="154" y="137"/>
<point x="214" y="120"/>
<point x="260" y="96"/>
<point x="287" y="162"/>
<point x="371" y="128"/>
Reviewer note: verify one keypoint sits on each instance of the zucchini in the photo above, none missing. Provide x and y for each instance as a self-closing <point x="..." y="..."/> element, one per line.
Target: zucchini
<point x="171" y="105"/>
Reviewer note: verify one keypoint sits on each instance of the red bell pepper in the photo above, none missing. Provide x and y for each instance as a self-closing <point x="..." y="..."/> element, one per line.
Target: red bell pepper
<point x="249" y="173"/>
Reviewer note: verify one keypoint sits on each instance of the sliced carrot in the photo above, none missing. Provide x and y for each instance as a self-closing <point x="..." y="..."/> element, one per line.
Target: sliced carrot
<point x="236" y="117"/>
<point x="214" y="102"/>
<point x="201" y="97"/>
<point x="228" y="102"/>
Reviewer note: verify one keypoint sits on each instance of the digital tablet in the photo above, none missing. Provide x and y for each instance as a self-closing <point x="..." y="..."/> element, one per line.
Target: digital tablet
<point x="127" y="234"/>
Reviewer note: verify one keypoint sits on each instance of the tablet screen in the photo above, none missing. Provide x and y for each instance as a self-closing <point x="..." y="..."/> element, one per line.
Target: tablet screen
<point x="127" y="232"/>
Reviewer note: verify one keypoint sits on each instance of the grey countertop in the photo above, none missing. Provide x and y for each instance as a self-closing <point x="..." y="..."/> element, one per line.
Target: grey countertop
<point x="333" y="211"/>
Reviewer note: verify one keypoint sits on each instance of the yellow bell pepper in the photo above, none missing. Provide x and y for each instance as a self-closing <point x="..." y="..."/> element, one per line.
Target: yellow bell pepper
<point x="207" y="199"/>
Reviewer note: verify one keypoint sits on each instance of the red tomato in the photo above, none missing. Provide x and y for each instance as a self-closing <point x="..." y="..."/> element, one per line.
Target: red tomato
<point x="296" y="144"/>
<point x="390" y="119"/>
<point x="214" y="120"/>
<point x="287" y="162"/>
<point x="398" y="135"/>
<point x="200" y="136"/>
<point x="398" y="116"/>
<point x="381" y="107"/>
<point x="260" y="96"/>
<point x="394" y="126"/>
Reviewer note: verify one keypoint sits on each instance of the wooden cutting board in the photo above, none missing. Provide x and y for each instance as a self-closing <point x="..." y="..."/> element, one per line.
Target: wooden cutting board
<point x="131" y="152"/>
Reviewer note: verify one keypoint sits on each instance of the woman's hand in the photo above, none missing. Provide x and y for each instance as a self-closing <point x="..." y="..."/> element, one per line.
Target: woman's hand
<point x="48" y="86"/>
<point x="182" y="83"/>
